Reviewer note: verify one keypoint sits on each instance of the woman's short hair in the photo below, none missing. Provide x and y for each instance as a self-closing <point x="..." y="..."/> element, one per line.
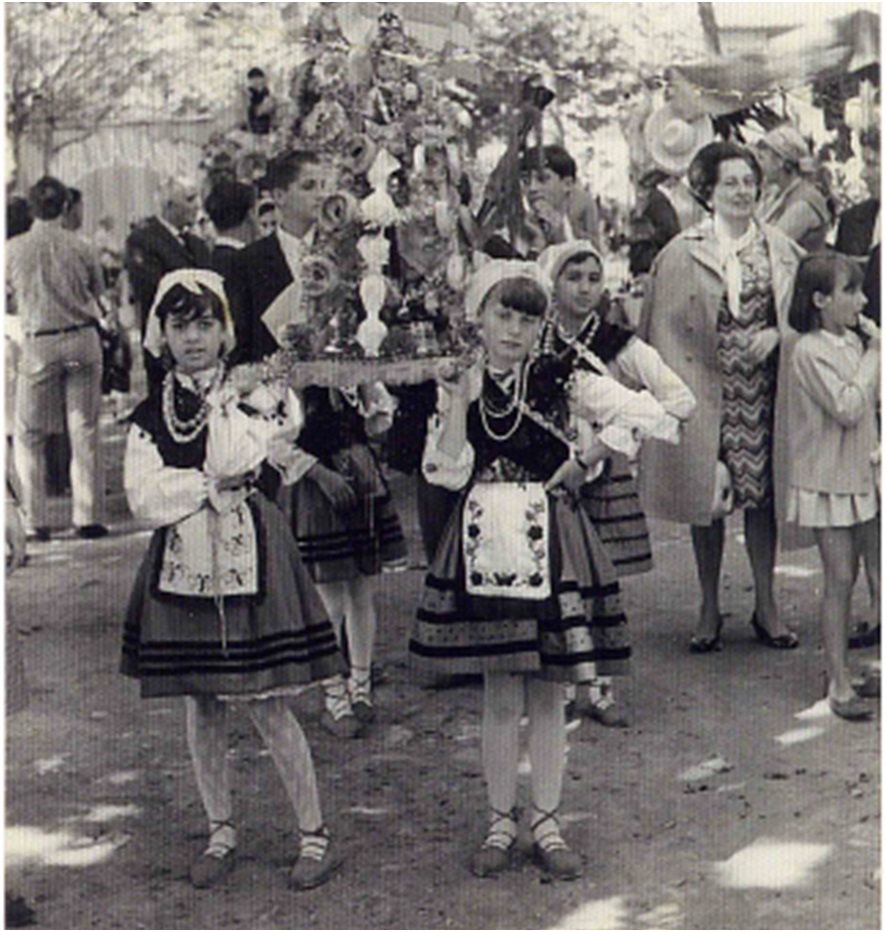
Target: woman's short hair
<point x="47" y="198"/>
<point x="819" y="273"/>
<point x="704" y="171"/>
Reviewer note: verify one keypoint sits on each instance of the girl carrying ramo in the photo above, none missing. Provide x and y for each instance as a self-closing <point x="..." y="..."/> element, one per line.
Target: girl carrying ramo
<point x="348" y="533"/>
<point x="521" y="588"/>
<point x="834" y="450"/>
<point x="222" y="609"/>
<point x="579" y="332"/>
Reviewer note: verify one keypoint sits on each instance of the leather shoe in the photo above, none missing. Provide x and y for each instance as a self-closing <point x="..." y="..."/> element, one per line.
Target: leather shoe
<point x="560" y="862"/>
<point x="610" y="715"/>
<point x="345" y="726"/>
<point x="212" y="866"/>
<point x="853" y="709"/>
<point x="869" y="686"/>
<point x="307" y="872"/>
<point x="489" y="860"/>
<point x="865" y="635"/>
<point x="92" y="531"/>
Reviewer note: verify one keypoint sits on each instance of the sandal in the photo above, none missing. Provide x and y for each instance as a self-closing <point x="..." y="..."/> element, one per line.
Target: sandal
<point x="854" y="709"/>
<point x="359" y="688"/>
<point x="213" y="864"/>
<point x="338" y="716"/>
<point x="604" y="709"/>
<point x="494" y="855"/>
<point x="787" y="641"/>
<point x="552" y="851"/>
<point x="318" y="860"/>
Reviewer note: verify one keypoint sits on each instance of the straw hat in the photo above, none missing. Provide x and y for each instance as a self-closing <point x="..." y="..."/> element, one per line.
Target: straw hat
<point x="672" y="141"/>
<point x="788" y="143"/>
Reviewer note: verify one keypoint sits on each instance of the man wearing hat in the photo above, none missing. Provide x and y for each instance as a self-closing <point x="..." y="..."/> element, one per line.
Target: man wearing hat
<point x="792" y="201"/>
<point x="665" y="205"/>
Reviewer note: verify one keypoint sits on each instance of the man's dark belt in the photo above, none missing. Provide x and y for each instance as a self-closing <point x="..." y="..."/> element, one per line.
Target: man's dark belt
<point x="57" y="330"/>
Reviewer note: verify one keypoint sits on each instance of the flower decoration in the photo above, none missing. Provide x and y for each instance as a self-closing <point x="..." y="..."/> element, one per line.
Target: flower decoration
<point x="319" y="276"/>
<point x="337" y="212"/>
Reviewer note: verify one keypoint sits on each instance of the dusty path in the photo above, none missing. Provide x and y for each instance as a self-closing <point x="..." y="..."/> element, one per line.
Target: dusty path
<point x="103" y="815"/>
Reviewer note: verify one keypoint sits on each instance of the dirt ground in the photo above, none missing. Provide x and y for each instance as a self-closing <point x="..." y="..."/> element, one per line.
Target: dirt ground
<point x="778" y="828"/>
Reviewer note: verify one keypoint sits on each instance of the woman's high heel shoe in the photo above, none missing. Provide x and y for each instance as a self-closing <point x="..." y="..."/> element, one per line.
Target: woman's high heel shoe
<point x="787" y="641"/>
<point x="865" y="635"/>
<point x="699" y="645"/>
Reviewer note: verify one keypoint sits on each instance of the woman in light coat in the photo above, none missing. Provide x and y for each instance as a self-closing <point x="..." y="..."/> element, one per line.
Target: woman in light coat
<point x="717" y="312"/>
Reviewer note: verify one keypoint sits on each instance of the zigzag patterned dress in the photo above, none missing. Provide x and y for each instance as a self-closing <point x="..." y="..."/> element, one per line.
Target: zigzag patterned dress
<point x="748" y="390"/>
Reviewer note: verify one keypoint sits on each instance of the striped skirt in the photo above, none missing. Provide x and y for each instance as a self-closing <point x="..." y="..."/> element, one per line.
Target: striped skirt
<point x="280" y="637"/>
<point x="361" y="541"/>
<point x="564" y="637"/>
<point x="615" y="510"/>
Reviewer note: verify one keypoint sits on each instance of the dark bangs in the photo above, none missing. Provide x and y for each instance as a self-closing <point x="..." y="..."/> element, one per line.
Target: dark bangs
<point x="523" y="295"/>
<point x="819" y="273"/>
<point x="186" y="305"/>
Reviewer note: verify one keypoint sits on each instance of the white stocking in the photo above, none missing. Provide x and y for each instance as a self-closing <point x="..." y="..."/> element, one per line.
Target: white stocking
<point x="286" y="741"/>
<point x="360" y="623"/>
<point x="206" y="729"/>
<point x="547" y="743"/>
<point x="500" y="735"/>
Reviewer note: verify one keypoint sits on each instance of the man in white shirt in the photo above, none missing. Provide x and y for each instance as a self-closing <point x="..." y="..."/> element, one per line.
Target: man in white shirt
<point x="57" y="282"/>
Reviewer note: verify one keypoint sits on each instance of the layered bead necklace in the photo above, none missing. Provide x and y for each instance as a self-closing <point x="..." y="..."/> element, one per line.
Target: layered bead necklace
<point x="579" y="343"/>
<point x="515" y="405"/>
<point x="184" y="430"/>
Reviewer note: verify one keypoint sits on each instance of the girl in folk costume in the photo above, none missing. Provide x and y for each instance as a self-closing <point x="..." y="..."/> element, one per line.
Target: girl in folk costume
<point x="222" y="609"/>
<point x="348" y="532"/>
<point x="579" y="333"/>
<point x="521" y="588"/>
<point x="835" y="452"/>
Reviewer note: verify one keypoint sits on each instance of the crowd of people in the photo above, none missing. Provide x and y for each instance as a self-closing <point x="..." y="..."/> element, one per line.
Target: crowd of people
<point x="748" y="382"/>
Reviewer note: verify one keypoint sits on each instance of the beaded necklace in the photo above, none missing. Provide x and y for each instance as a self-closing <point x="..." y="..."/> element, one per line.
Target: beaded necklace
<point x="184" y="430"/>
<point x="515" y="403"/>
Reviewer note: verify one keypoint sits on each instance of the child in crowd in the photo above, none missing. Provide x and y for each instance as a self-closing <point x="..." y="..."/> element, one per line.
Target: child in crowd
<point x="521" y="588"/>
<point x="222" y="609"/>
<point x="833" y="438"/>
<point x="579" y="332"/>
<point x="348" y="532"/>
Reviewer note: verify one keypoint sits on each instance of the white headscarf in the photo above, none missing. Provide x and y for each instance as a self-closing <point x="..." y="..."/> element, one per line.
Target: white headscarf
<point x="495" y="271"/>
<point x="554" y="258"/>
<point x="191" y="280"/>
